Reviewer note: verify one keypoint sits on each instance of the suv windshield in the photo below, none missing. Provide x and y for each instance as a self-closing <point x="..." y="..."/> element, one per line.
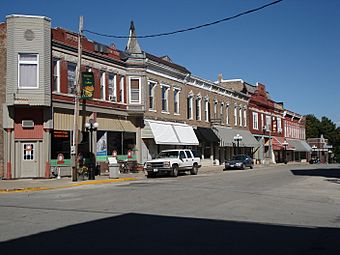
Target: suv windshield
<point x="168" y="154"/>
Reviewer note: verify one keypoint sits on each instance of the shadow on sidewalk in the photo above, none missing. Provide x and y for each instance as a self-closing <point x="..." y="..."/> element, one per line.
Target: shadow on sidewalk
<point x="151" y="234"/>
<point x="323" y="172"/>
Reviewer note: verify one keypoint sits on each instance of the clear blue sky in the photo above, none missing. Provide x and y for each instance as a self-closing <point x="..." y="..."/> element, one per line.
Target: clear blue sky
<point x="292" y="47"/>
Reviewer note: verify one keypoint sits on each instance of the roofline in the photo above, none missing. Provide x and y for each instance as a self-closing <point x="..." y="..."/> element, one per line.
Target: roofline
<point x="28" y="16"/>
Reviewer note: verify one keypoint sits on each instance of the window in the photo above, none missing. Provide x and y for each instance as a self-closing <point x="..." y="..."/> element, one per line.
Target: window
<point x="215" y="109"/>
<point x="206" y="109"/>
<point x="198" y="108"/>
<point x="279" y="125"/>
<point x="268" y="123"/>
<point x="135" y="91"/>
<point x="262" y="122"/>
<point x="176" y="100"/>
<point x="165" y="98"/>
<point x="235" y="115"/>
<point x="56" y="74"/>
<point x="221" y="111"/>
<point x="255" y="120"/>
<point x="152" y="87"/>
<point x="227" y="121"/>
<point x="121" y="90"/>
<point x="112" y="87"/>
<point x="244" y="117"/>
<point x="28" y="71"/>
<point x="102" y="85"/>
<point x="71" y="78"/>
<point x="28" y="151"/>
<point x="240" y="116"/>
<point x="190" y="107"/>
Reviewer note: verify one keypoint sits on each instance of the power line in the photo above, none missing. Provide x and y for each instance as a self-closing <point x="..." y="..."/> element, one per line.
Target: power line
<point x="188" y="29"/>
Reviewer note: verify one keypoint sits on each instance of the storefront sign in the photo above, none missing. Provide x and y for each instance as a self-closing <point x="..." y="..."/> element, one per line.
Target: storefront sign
<point x="88" y="85"/>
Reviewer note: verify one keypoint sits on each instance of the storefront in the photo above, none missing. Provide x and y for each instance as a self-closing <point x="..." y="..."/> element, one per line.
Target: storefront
<point x="161" y="135"/>
<point x="229" y="146"/>
<point x="302" y="150"/>
<point x="208" y="143"/>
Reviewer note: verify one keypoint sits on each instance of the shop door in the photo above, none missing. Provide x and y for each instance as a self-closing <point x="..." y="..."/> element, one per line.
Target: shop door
<point x="29" y="160"/>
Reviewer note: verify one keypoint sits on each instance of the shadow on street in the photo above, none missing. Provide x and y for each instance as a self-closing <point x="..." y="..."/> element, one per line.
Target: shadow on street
<point x="149" y="234"/>
<point x="322" y="172"/>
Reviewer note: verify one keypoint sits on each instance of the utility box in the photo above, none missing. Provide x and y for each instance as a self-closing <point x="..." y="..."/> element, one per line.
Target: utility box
<point x="113" y="168"/>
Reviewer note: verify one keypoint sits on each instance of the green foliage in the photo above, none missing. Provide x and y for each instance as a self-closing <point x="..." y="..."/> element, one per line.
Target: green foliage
<point x="312" y="126"/>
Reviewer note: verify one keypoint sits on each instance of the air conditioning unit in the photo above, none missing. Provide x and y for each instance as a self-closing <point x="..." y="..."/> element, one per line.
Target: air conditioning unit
<point x="113" y="98"/>
<point x="27" y="123"/>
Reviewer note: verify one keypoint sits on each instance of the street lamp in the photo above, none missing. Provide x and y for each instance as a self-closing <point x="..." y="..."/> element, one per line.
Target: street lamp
<point x="90" y="127"/>
<point x="285" y="144"/>
<point x="237" y="139"/>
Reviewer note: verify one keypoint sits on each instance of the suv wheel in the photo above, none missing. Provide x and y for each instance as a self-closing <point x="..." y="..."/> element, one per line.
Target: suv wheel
<point x="174" y="171"/>
<point x="194" y="169"/>
<point x="251" y="166"/>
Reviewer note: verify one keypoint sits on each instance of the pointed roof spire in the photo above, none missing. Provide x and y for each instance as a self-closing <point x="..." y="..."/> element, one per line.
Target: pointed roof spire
<point x="132" y="46"/>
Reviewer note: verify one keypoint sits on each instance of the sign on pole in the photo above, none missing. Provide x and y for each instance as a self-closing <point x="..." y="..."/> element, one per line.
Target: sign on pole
<point x="88" y="85"/>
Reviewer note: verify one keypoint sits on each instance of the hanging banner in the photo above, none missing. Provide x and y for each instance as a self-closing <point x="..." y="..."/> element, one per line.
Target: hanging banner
<point x="88" y="85"/>
<point x="102" y="145"/>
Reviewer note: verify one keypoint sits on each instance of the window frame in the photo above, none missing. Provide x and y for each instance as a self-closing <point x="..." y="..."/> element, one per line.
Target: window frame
<point x="102" y="85"/>
<point x="56" y="73"/>
<point x="75" y="77"/>
<point x="256" y="120"/>
<point x="198" y="108"/>
<point x="139" y="90"/>
<point x="206" y="109"/>
<point x="28" y="62"/>
<point x="151" y="95"/>
<point x="177" y="92"/>
<point x="112" y="86"/>
<point x="190" y="107"/>
<point x="166" y="94"/>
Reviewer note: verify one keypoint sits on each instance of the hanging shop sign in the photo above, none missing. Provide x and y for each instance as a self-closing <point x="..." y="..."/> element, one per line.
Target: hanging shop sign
<point x="88" y="85"/>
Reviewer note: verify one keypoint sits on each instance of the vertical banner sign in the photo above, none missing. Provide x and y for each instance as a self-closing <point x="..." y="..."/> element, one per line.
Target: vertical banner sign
<point x="102" y="145"/>
<point x="88" y="85"/>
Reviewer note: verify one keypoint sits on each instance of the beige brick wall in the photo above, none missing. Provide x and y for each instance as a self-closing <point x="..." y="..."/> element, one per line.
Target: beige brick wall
<point x="2" y="91"/>
<point x="186" y="89"/>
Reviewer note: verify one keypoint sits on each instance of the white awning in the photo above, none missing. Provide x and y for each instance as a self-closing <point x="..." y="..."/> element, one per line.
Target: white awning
<point x="169" y="133"/>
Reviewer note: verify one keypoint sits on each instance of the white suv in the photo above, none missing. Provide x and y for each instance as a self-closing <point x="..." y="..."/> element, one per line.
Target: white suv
<point x="173" y="162"/>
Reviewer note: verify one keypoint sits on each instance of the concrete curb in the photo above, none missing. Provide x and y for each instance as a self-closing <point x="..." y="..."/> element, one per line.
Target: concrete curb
<point x="94" y="182"/>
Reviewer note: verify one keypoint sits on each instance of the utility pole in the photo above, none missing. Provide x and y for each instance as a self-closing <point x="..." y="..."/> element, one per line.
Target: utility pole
<point x="75" y="142"/>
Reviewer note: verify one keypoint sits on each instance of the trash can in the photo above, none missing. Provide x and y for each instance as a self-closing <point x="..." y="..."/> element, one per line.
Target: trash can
<point x="113" y="168"/>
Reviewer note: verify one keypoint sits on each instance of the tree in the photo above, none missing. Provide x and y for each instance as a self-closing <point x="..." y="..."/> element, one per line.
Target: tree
<point x="312" y="126"/>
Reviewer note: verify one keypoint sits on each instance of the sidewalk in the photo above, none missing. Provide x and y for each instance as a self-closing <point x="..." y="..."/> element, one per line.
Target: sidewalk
<point x="29" y="185"/>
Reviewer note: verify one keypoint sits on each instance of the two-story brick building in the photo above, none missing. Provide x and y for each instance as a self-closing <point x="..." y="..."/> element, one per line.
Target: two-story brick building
<point x="41" y="65"/>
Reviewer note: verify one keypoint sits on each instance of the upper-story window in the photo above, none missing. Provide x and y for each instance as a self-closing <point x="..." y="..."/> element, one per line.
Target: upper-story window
<point x="135" y="91"/>
<point x="235" y="115"/>
<point x="206" y="109"/>
<point x="56" y="74"/>
<point x="268" y="123"/>
<point x="165" y="98"/>
<point x="71" y="78"/>
<point x="198" y="108"/>
<point x="227" y="120"/>
<point x="102" y="85"/>
<point x="28" y="71"/>
<point x="121" y="89"/>
<point x="176" y="100"/>
<point x="215" y="109"/>
<point x="221" y="111"/>
<point x="279" y="125"/>
<point x="190" y="107"/>
<point x="244" y="117"/>
<point x="112" y="87"/>
<point x="255" y="120"/>
<point x="152" y="89"/>
<point x="240" y="122"/>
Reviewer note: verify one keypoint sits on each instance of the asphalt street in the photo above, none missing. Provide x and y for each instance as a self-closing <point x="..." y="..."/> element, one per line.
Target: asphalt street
<point x="277" y="210"/>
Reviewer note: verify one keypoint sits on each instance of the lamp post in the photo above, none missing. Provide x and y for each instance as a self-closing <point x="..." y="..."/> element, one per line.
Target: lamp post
<point x="90" y="127"/>
<point x="285" y="144"/>
<point x="237" y="139"/>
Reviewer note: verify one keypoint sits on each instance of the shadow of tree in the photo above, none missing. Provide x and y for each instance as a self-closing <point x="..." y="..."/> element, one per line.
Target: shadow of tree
<point x="325" y="172"/>
<point x="150" y="234"/>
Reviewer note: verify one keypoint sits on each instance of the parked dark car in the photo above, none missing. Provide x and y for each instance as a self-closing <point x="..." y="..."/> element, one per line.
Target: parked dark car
<point x="239" y="162"/>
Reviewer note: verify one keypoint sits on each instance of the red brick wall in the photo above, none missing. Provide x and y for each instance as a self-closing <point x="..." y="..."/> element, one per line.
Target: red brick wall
<point x="34" y="114"/>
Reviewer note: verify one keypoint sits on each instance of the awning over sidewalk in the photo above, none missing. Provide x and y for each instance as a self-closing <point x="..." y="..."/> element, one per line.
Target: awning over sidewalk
<point x="299" y="145"/>
<point x="277" y="143"/>
<point x="226" y="136"/>
<point x="169" y="133"/>
<point x="206" y="135"/>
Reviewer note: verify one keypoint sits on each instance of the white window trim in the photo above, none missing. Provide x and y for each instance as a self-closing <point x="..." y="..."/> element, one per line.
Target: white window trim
<point x="28" y="62"/>
<point x="139" y="92"/>
<point x="58" y="74"/>
<point x="199" y="100"/>
<point x="177" y="111"/>
<point x="227" y="119"/>
<point x="240" y="117"/>
<point x="167" y="97"/>
<point x="255" y="121"/>
<point x="206" y="110"/>
<point x="245" y="117"/>
<point x="191" y="102"/>
<point x="153" y="95"/>
<point x="103" y="84"/>
<point x="114" y="93"/>
<point x="122" y="89"/>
